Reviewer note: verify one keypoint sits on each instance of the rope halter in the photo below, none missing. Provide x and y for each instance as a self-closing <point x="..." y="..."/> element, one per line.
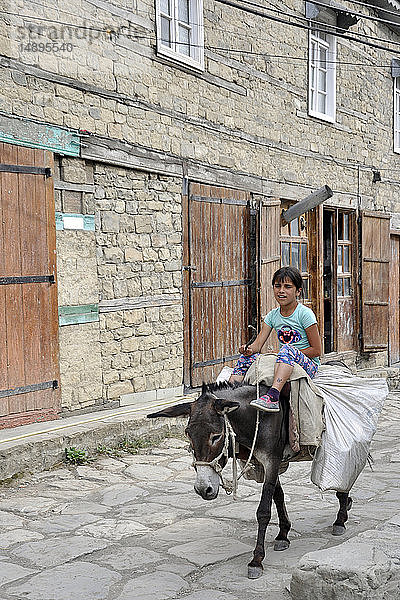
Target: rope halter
<point x="228" y="485"/>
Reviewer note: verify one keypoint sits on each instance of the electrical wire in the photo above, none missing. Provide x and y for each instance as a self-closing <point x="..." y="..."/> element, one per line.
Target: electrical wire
<point x="254" y="10"/>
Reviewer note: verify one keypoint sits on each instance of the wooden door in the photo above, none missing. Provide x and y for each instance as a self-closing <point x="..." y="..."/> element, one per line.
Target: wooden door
<point x="375" y="255"/>
<point x="270" y="261"/>
<point x="340" y="322"/>
<point x="29" y="371"/>
<point x="394" y="301"/>
<point x="221" y="278"/>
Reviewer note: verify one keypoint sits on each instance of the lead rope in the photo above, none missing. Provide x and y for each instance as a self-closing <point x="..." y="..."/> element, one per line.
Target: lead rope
<point x="247" y="465"/>
<point x="230" y="487"/>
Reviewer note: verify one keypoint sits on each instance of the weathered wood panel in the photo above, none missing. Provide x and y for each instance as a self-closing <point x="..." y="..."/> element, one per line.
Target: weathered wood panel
<point x="28" y="310"/>
<point x="394" y="301"/>
<point x="270" y="260"/>
<point x="375" y="280"/>
<point x="219" y="277"/>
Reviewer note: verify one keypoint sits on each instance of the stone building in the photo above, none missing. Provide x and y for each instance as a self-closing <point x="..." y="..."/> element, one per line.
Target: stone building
<point x="174" y="134"/>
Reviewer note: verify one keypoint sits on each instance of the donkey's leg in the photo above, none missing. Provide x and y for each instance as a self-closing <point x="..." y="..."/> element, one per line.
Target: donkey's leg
<point x="345" y="504"/>
<point x="281" y="540"/>
<point x="255" y="568"/>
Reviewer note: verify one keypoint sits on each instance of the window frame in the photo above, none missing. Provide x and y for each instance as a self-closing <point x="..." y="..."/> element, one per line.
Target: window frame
<point x="196" y="27"/>
<point x="330" y="44"/>
<point x="396" y="114"/>
<point x="344" y="243"/>
<point x="299" y="239"/>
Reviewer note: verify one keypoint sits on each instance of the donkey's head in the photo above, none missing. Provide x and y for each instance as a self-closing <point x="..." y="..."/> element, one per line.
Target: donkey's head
<point x="206" y="432"/>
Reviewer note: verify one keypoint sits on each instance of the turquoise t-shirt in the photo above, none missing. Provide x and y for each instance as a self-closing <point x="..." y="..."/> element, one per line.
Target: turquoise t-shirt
<point x="292" y="329"/>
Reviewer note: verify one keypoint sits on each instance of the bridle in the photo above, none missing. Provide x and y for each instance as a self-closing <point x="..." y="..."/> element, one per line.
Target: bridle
<point x="229" y="435"/>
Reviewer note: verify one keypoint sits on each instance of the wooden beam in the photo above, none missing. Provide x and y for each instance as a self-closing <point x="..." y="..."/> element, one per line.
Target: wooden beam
<point x="307" y="204"/>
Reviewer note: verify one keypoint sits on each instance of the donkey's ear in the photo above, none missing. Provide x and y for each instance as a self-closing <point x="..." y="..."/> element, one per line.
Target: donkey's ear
<point x="225" y="406"/>
<point x="179" y="410"/>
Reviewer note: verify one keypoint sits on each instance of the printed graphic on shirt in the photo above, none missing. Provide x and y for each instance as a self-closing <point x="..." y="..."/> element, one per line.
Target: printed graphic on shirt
<point x="287" y="335"/>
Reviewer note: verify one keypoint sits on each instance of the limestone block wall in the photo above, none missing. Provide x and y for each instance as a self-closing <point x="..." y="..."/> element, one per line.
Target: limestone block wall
<point x="233" y="115"/>
<point x="130" y="266"/>
<point x="139" y="257"/>
<point x="80" y="356"/>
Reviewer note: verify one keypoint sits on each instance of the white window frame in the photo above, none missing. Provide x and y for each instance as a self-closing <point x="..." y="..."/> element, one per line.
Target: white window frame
<point x="396" y="114"/>
<point x="318" y="44"/>
<point x="195" y="28"/>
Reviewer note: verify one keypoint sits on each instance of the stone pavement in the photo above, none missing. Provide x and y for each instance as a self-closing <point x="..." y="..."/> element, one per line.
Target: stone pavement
<point x="132" y="528"/>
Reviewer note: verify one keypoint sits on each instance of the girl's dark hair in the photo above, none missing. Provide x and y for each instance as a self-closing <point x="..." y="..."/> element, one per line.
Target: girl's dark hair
<point x="289" y="273"/>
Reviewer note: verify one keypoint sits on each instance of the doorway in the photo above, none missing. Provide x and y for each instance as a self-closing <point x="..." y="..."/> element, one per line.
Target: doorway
<point x="339" y="261"/>
<point x="219" y="279"/>
<point x="394" y="301"/>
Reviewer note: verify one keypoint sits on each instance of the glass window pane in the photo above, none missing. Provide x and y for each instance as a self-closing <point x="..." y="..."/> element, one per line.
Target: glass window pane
<point x="340" y="226"/>
<point x="285" y="252"/>
<point x="306" y="289"/>
<point x="321" y="103"/>
<point x="165" y="7"/>
<point x="165" y="32"/>
<point x="346" y="287"/>
<point x="183" y="10"/>
<point x="340" y="259"/>
<point x="340" y="287"/>
<point x="346" y="227"/>
<point x="184" y="41"/>
<point x="304" y="257"/>
<point x="295" y="255"/>
<point x="294" y="227"/>
<point x="322" y="57"/>
<point x="346" y="259"/>
<point x="322" y="80"/>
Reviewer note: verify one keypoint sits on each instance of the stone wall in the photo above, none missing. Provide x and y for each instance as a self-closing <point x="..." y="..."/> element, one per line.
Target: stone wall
<point x="230" y="119"/>
<point x="139" y="256"/>
<point x="132" y="267"/>
<point x="233" y="115"/>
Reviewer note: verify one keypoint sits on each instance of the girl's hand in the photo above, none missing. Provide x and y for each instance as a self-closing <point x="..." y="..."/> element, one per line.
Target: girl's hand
<point x="247" y="351"/>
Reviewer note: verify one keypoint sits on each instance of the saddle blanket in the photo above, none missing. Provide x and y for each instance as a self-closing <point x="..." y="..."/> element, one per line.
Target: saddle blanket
<point x="306" y="401"/>
<point x="337" y="412"/>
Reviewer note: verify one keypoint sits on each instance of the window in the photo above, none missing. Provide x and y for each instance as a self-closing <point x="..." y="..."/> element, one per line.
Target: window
<point x="344" y="255"/>
<point x="180" y="31"/>
<point x="294" y="248"/>
<point x="322" y="74"/>
<point x="397" y="114"/>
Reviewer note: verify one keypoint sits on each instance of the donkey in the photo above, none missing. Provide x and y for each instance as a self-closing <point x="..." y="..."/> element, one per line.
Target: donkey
<point x="207" y="432"/>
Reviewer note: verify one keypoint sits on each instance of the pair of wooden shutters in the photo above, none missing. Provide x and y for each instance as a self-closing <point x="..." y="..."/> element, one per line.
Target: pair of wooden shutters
<point x="219" y="246"/>
<point x="29" y="371"/>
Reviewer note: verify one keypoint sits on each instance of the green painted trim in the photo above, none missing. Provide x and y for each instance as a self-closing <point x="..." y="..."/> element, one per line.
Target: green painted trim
<point x="23" y="132"/>
<point x="74" y="315"/>
<point x="87" y="221"/>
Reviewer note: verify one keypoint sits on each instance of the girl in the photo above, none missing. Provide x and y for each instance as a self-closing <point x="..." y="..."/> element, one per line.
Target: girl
<point x="298" y="335"/>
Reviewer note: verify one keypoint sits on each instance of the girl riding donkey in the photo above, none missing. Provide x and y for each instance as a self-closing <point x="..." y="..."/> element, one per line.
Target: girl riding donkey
<point x="298" y="335"/>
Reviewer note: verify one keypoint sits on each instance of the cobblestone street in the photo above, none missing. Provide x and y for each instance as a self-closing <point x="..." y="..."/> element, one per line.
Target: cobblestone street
<point x="132" y="528"/>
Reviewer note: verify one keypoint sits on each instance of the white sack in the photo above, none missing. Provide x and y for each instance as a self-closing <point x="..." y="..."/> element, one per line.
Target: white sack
<point x="352" y="408"/>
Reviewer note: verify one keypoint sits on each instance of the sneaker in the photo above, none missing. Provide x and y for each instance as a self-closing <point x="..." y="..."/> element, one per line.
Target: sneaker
<point x="265" y="403"/>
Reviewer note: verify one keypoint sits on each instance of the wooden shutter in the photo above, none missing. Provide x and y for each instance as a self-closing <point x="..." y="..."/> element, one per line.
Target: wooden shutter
<point x="220" y="273"/>
<point x="29" y="370"/>
<point x="270" y="259"/>
<point x="375" y="260"/>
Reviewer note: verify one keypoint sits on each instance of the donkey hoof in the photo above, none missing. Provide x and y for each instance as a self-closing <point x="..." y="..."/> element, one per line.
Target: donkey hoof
<point x="338" y="529"/>
<point x="254" y="572"/>
<point x="280" y="545"/>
